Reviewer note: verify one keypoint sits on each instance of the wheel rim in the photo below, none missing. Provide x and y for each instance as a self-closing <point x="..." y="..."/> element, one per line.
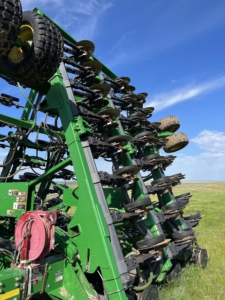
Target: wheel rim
<point x="17" y="54"/>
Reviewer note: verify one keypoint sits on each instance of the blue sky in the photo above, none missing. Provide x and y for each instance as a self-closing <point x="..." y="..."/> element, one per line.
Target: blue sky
<point x="174" y="51"/>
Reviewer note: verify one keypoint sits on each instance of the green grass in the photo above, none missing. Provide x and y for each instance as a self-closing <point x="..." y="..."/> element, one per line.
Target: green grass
<point x="196" y="283"/>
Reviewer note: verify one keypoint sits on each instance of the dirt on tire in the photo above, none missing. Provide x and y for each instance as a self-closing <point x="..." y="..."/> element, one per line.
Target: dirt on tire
<point x="170" y="123"/>
<point x="176" y="142"/>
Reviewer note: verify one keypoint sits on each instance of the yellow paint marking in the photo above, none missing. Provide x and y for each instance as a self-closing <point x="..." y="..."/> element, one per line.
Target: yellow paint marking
<point x="10" y="294"/>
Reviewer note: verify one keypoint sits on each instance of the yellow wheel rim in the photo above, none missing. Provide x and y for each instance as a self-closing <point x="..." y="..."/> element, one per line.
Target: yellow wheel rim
<point x="17" y="54"/>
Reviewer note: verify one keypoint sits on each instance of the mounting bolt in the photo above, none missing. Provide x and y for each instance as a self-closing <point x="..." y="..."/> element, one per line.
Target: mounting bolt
<point x="15" y="299"/>
<point x="17" y="284"/>
<point x="17" y="278"/>
<point x="49" y="268"/>
<point x="0" y="291"/>
<point x="1" y="284"/>
<point x="48" y="286"/>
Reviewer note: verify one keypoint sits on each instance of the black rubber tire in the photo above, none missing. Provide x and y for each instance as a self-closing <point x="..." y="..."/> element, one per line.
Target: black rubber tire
<point x="151" y="293"/>
<point x="179" y="235"/>
<point x="177" y="176"/>
<point x="132" y="169"/>
<point x="121" y="139"/>
<point x="148" y="134"/>
<point x="192" y="223"/>
<point x="44" y="55"/>
<point x="146" y="243"/>
<point x="183" y="196"/>
<point x="173" y="206"/>
<point x="151" y="157"/>
<point x="137" y="204"/>
<point x="10" y="21"/>
<point x="170" y="123"/>
<point x="162" y="180"/>
<point x="175" y="142"/>
<point x="192" y="216"/>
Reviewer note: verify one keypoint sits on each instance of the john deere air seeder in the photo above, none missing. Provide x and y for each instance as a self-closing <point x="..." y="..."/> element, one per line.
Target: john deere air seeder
<point x="101" y="237"/>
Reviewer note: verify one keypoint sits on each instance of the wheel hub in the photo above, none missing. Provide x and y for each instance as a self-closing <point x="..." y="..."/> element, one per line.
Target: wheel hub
<point x="17" y="54"/>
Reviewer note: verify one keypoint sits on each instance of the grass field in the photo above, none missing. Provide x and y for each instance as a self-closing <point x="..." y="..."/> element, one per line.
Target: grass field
<point x="196" y="283"/>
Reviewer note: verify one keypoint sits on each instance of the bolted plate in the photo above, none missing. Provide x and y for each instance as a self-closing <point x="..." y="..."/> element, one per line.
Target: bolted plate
<point x="112" y="112"/>
<point x="87" y="45"/>
<point x="102" y="87"/>
<point x="94" y="64"/>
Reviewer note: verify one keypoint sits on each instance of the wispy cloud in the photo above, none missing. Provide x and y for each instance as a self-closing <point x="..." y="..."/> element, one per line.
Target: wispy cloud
<point x="164" y="100"/>
<point x="31" y="4"/>
<point x="80" y="18"/>
<point x="167" y="28"/>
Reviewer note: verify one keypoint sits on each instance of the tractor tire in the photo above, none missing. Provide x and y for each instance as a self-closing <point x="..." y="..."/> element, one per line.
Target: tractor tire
<point x="170" y="123"/>
<point x="176" y="142"/>
<point x="10" y="21"/>
<point x="36" y="64"/>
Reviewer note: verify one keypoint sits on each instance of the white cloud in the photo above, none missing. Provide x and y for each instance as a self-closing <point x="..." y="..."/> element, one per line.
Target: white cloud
<point x="211" y="141"/>
<point x="208" y="165"/>
<point x="31" y="4"/>
<point x="79" y="18"/>
<point x="164" y="100"/>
